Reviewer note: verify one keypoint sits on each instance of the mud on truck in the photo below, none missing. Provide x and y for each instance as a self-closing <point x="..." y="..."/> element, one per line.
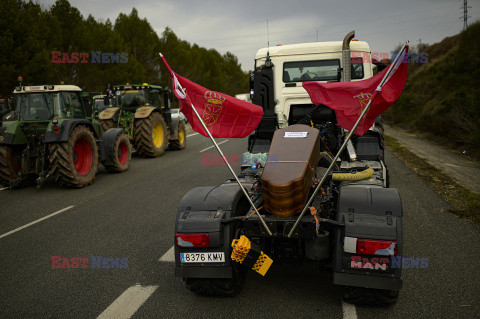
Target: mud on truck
<point x="144" y="112"/>
<point x="49" y="134"/>
<point x="353" y="226"/>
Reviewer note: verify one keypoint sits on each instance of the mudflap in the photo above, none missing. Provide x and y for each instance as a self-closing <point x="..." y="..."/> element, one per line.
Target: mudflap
<point x="205" y="210"/>
<point x="107" y="145"/>
<point x="368" y="213"/>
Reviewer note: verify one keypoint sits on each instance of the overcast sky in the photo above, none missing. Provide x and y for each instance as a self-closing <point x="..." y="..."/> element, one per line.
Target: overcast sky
<point x="241" y="26"/>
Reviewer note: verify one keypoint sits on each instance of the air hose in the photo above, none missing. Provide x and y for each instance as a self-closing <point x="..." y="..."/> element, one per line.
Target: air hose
<point x="353" y="177"/>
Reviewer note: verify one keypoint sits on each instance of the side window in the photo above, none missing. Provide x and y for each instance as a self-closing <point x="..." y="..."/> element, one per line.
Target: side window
<point x="357" y="68"/>
<point x="72" y="105"/>
<point x="154" y="98"/>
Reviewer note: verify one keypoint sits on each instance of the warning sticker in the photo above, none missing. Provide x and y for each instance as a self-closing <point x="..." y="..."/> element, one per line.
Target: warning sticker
<point x="295" y="134"/>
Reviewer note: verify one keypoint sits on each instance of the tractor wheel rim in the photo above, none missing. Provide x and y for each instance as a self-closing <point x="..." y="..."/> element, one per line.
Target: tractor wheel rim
<point x="157" y="135"/>
<point x="181" y="136"/>
<point x="122" y="153"/>
<point x="83" y="156"/>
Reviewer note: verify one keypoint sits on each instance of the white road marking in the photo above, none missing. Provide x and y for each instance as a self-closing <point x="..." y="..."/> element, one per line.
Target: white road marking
<point x="128" y="303"/>
<point x="4" y="188"/>
<point x="36" y="221"/>
<point x="349" y="310"/>
<point x="169" y="256"/>
<point x="205" y="149"/>
<point x="192" y="134"/>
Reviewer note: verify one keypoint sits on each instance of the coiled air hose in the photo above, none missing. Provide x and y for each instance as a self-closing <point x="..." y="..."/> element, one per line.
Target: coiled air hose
<point x="353" y="177"/>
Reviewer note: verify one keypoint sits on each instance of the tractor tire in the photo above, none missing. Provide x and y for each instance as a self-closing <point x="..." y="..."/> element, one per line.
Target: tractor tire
<point x="151" y="135"/>
<point x="369" y="296"/>
<point x="106" y="125"/>
<point x="219" y="287"/>
<point x="75" y="162"/>
<point x="123" y="155"/>
<point x="181" y="142"/>
<point x="9" y="164"/>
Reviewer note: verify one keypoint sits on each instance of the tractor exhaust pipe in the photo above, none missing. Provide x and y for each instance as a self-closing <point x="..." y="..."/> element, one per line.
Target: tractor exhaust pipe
<point x="347" y="57"/>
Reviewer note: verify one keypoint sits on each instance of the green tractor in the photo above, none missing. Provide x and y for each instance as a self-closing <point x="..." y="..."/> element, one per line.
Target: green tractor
<point x="143" y="111"/>
<point x="49" y="134"/>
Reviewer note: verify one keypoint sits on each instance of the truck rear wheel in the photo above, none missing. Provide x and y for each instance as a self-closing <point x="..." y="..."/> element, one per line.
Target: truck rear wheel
<point x="106" y="125"/>
<point x="181" y="142"/>
<point x="10" y="164"/>
<point x="220" y="287"/>
<point x="151" y="135"/>
<point x="369" y="296"/>
<point x="122" y="155"/>
<point x="75" y="162"/>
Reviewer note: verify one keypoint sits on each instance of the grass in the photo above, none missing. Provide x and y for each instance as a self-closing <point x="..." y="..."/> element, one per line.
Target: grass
<point x="465" y="202"/>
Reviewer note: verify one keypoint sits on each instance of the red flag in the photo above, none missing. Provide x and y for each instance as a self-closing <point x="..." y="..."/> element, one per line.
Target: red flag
<point x="225" y="116"/>
<point x="349" y="99"/>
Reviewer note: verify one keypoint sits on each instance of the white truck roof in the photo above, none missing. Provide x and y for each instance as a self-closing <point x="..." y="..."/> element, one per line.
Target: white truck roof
<point x="46" y="88"/>
<point x="311" y="48"/>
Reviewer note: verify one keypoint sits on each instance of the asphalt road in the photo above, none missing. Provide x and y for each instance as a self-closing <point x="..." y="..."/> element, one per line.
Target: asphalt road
<point x="132" y="215"/>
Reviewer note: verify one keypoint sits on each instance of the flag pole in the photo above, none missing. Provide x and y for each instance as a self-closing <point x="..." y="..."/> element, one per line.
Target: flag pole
<point x="362" y="115"/>
<point x="224" y="158"/>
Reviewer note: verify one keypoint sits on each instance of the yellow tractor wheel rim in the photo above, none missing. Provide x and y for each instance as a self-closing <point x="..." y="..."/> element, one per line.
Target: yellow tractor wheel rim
<point x="181" y="136"/>
<point x="157" y="135"/>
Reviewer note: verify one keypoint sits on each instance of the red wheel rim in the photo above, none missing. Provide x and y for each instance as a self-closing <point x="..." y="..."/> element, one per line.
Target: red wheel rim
<point x="83" y="156"/>
<point x="122" y="153"/>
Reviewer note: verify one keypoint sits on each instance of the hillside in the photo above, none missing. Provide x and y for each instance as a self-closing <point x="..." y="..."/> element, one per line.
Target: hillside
<point x="442" y="97"/>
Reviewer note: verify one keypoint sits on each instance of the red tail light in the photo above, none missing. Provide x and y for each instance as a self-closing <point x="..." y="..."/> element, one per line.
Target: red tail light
<point x="376" y="247"/>
<point x="192" y="240"/>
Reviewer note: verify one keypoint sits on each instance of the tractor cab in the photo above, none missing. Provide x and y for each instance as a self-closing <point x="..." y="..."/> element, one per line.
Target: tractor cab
<point x="131" y="97"/>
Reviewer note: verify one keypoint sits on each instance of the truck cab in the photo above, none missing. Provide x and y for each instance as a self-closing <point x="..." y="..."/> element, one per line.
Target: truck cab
<point x="319" y="61"/>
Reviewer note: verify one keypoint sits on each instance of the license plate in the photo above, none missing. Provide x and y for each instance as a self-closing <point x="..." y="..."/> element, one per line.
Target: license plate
<point x="202" y="257"/>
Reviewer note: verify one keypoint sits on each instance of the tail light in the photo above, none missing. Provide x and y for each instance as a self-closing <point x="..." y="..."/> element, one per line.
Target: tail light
<point x="370" y="246"/>
<point x="192" y="240"/>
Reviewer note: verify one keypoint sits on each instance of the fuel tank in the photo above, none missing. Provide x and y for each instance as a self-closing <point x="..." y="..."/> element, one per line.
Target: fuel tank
<point x="290" y="170"/>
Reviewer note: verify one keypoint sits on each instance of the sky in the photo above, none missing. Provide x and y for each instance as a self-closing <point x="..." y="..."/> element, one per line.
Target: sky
<point x="241" y="26"/>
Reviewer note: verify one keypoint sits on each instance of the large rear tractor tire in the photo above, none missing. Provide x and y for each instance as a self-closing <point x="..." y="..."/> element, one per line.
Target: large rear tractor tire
<point x="106" y="125"/>
<point x="151" y="135"/>
<point x="181" y="142"/>
<point x="369" y="296"/>
<point x="75" y="162"/>
<point x="10" y="164"/>
<point x="123" y="155"/>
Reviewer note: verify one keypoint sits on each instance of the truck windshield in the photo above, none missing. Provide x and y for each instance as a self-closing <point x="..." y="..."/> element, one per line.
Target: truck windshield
<point x="35" y="106"/>
<point x="302" y="71"/>
<point x="132" y="98"/>
<point x="321" y="70"/>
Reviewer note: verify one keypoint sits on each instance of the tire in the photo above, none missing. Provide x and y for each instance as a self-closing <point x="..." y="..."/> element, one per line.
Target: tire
<point x="151" y="135"/>
<point x="369" y="296"/>
<point x="105" y="125"/>
<point x="219" y="287"/>
<point x="75" y="162"/>
<point x="10" y="161"/>
<point x="123" y="155"/>
<point x="181" y="142"/>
